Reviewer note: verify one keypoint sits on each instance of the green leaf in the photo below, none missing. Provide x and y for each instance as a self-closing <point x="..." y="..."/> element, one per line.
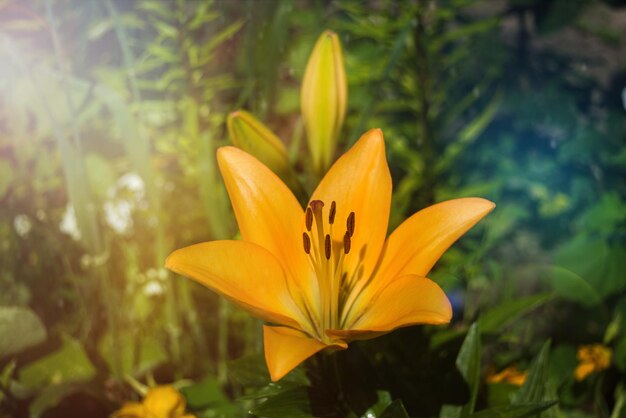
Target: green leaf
<point x="598" y="261"/>
<point x="562" y="363"/>
<point x="468" y="363"/>
<point x="395" y="410"/>
<point x="103" y="26"/>
<point x="559" y="14"/>
<point x="470" y="133"/>
<point x="534" y="389"/>
<point x="568" y="285"/>
<point x="23" y="326"/>
<point x="138" y="353"/>
<point x="165" y="29"/>
<point x="513" y="411"/>
<point x="493" y="320"/>
<point x="619" y="411"/>
<point x="6" y="177"/>
<point x="68" y="364"/>
<point x="224" y="35"/>
<point x="251" y="371"/>
<point x="384" y="400"/>
<point x="293" y="403"/>
<point x="571" y="286"/>
<point x="101" y="174"/>
<point x="208" y="394"/>
<point x="51" y="396"/>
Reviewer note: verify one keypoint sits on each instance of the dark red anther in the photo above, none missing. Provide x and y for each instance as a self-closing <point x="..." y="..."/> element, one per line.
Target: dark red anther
<point x="332" y="213"/>
<point x="308" y="219"/>
<point x="306" y="241"/>
<point x="350" y="224"/>
<point x="347" y="243"/>
<point x="327" y="247"/>
<point x="316" y="205"/>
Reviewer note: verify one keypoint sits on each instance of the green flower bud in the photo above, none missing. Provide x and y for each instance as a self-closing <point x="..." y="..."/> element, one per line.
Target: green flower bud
<point x="251" y="135"/>
<point x="323" y="99"/>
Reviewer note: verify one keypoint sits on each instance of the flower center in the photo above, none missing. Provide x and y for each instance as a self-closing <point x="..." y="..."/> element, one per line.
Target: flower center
<point x="326" y="257"/>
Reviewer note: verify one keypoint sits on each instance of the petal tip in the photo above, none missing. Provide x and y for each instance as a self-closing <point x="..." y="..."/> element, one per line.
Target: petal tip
<point x="169" y="261"/>
<point x="222" y="152"/>
<point x="374" y="141"/>
<point x="374" y="134"/>
<point x="487" y="205"/>
<point x="229" y="156"/>
<point x="276" y="373"/>
<point x="477" y="205"/>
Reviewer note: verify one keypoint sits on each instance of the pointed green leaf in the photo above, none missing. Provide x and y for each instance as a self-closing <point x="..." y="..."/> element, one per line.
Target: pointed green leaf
<point x="6" y="177"/>
<point x="534" y="389"/>
<point x="569" y="285"/>
<point x="468" y="363"/>
<point x="68" y="364"/>
<point x="513" y="411"/>
<point x="619" y="411"/>
<point x="384" y="400"/>
<point x="293" y="403"/>
<point x="395" y="410"/>
<point x="138" y="353"/>
<point x="251" y="371"/>
<point x="502" y="315"/>
<point x="24" y="328"/>
<point x="206" y="393"/>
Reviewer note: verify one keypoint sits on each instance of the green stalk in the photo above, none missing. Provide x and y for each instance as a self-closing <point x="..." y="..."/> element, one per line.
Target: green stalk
<point x="211" y="190"/>
<point x="140" y="156"/>
<point x="425" y="123"/>
<point x="75" y="174"/>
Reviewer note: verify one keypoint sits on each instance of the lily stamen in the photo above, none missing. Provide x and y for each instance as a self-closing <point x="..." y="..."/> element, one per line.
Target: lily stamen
<point x="306" y="241"/>
<point x="327" y="260"/>
<point x="327" y="247"/>
<point x="350" y="223"/>
<point x="308" y="219"/>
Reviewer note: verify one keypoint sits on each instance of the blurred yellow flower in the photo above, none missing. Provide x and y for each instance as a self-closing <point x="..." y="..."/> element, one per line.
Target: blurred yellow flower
<point x="160" y="402"/>
<point x="592" y="358"/>
<point x="511" y="375"/>
<point x="323" y="99"/>
<point x="325" y="276"/>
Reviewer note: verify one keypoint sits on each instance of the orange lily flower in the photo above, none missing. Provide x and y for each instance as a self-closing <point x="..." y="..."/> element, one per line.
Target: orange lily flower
<point x="592" y="358"/>
<point x="324" y="276"/>
<point x="160" y="402"/>
<point x="511" y="375"/>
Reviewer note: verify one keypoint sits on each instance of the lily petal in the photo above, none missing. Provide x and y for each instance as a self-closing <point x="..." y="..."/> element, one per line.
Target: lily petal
<point x="408" y="300"/>
<point x="286" y="348"/>
<point x="360" y="182"/>
<point x="130" y="410"/>
<point x="269" y="215"/>
<point x="165" y="401"/>
<point x="416" y="245"/>
<point x="258" y="284"/>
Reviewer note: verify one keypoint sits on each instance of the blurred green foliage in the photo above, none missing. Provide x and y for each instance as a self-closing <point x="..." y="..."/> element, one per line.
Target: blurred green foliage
<point x="111" y="112"/>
